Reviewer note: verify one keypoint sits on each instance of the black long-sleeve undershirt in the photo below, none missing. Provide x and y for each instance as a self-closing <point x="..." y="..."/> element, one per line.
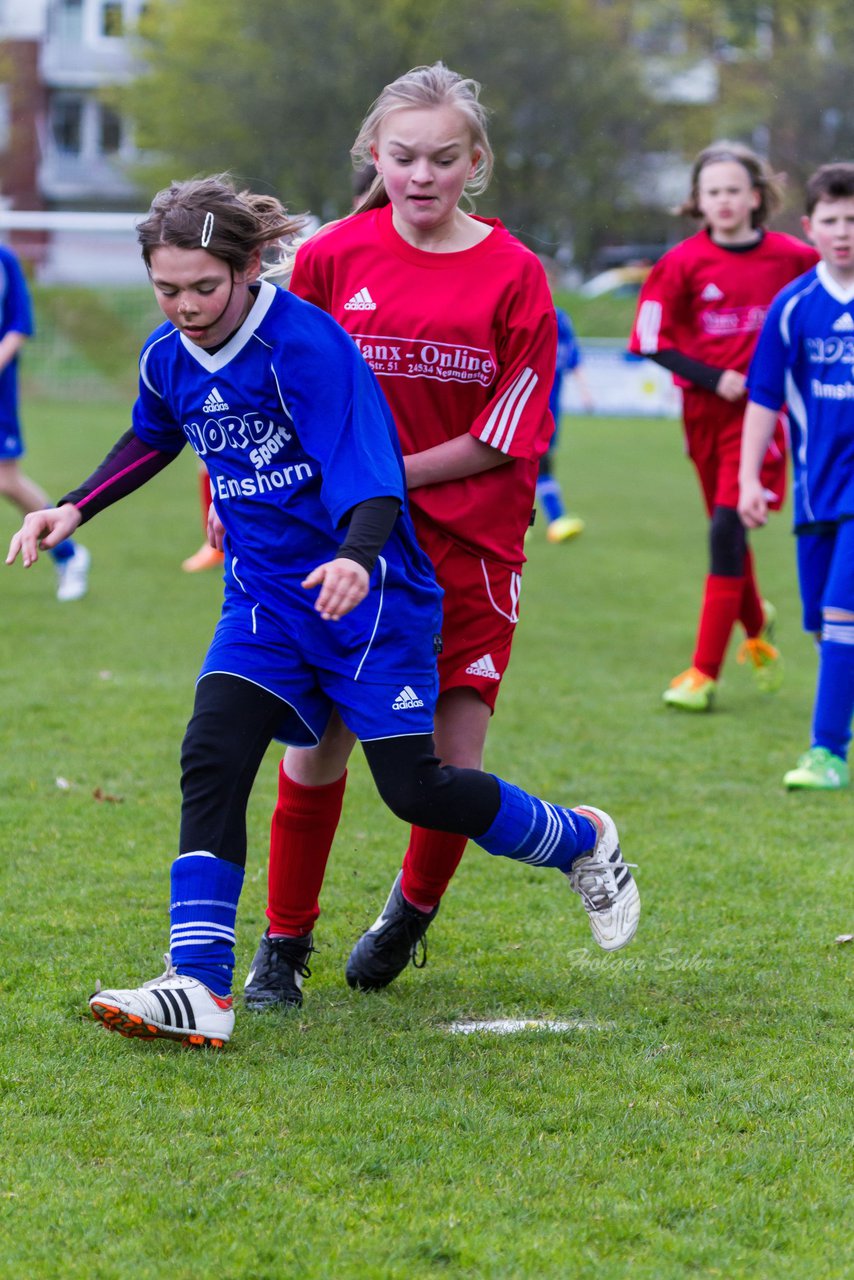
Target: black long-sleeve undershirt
<point x="697" y="372"/>
<point x="128" y="465"/>
<point x="131" y="462"/>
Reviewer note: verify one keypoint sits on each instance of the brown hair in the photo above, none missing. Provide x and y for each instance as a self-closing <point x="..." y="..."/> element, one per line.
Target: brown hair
<point x="210" y="213"/>
<point x="762" y="179"/>
<point x="434" y="86"/>
<point x="830" y="182"/>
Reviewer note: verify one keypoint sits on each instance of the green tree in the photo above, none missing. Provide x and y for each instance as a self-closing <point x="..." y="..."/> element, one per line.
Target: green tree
<point x="784" y="68"/>
<point x="279" y="98"/>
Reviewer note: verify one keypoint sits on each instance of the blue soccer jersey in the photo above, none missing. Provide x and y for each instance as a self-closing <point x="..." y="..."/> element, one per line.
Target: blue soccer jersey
<point x="568" y="358"/>
<point x="15" y="317"/>
<point x="805" y="359"/>
<point x="294" y="432"/>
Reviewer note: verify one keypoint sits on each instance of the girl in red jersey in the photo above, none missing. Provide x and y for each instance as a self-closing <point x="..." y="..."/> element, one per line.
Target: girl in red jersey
<point x="699" y="315"/>
<point x="455" y="317"/>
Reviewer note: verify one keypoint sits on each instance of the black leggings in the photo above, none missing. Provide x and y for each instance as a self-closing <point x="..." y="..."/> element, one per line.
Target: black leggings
<point x="727" y="543"/>
<point x="234" y="722"/>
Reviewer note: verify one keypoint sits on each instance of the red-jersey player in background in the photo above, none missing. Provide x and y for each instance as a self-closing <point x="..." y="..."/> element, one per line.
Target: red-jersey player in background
<point x="699" y="315"/>
<point x="455" y="317"/>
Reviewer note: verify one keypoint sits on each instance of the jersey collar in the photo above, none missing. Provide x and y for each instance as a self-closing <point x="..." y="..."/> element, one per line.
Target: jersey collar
<point x="833" y="287"/>
<point x="214" y="360"/>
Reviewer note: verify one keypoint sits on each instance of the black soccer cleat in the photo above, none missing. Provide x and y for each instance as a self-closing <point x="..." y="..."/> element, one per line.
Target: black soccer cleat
<point x="392" y="941"/>
<point x="275" y="977"/>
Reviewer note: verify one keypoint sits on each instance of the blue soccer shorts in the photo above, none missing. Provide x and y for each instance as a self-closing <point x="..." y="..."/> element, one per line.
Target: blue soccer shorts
<point x="251" y="645"/>
<point x="11" y="441"/>
<point x="826" y="571"/>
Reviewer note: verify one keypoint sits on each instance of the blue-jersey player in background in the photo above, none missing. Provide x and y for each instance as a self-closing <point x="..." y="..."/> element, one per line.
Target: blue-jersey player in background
<point x="329" y="602"/>
<point x="805" y="357"/>
<point x="561" y="525"/>
<point x="16" y="327"/>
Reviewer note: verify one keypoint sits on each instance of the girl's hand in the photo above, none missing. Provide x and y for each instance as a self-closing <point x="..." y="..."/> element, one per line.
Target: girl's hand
<point x="42" y="530"/>
<point x="216" y="529"/>
<point x="343" y="584"/>
<point x="752" y="504"/>
<point x="731" y="385"/>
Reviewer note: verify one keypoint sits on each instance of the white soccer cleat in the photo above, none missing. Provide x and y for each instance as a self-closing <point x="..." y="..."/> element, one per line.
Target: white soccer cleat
<point x="172" y="1006"/>
<point x="73" y="575"/>
<point x="605" y="885"/>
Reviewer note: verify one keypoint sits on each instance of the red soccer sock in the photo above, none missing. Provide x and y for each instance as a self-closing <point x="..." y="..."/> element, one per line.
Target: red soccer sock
<point x="751" y="615"/>
<point x="304" y="824"/>
<point x="720" y="610"/>
<point x="428" y="865"/>
<point x="205" y="498"/>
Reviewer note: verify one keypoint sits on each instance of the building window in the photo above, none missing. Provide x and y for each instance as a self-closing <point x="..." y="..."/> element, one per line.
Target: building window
<point x="112" y="18"/>
<point x="109" y="131"/>
<point x="66" y="122"/>
<point x="68" y="18"/>
<point x="5" y="118"/>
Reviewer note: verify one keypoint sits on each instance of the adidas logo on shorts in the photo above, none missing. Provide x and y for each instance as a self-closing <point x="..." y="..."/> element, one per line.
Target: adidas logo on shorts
<point x="406" y="700"/>
<point x="214" y="403"/>
<point x="361" y="301"/>
<point x="484" y="667"/>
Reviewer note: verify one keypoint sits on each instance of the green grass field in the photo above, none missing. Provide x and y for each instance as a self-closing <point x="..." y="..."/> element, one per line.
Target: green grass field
<point x="697" y="1122"/>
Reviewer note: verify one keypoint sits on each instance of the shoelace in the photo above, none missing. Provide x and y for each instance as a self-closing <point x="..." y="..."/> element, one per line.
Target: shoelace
<point x="413" y="952"/>
<point x="757" y="651"/>
<point x="286" y="952"/>
<point x="164" y="977"/>
<point x="591" y="883"/>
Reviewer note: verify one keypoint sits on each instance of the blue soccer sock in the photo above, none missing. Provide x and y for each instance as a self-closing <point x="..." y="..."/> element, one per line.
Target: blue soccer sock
<point x="834" y="695"/>
<point x="205" y="893"/>
<point x="62" y="551"/>
<point x="533" y="831"/>
<point x="550" y="499"/>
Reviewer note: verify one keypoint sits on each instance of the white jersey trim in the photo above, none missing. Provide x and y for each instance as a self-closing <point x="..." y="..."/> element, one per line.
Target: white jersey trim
<point x="649" y="326"/>
<point x="258" y="685"/>
<point x="833" y="287"/>
<point x="213" y="361"/>
<point x="501" y="424"/>
<point x="383" y="565"/>
<point x="515" y="592"/>
<point x="143" y="362"/>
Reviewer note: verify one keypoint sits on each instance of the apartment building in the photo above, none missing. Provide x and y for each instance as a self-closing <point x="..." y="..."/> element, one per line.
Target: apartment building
<point x="60" y="143"/>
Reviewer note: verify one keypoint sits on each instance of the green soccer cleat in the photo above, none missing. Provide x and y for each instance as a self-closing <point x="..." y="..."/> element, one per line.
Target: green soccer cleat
<point x="766" y="661"/>
<point x="564" y="528"/>
<point x="769" y="626"/>
<point x="818" y="770"/>
<point x="691" y="690"/>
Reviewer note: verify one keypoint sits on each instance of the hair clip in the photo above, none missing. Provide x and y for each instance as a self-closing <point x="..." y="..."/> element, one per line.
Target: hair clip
<point x="207" y="230"/>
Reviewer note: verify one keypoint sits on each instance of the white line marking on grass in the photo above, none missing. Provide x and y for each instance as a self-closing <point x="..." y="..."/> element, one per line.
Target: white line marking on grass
<point x="510" y="1026"/>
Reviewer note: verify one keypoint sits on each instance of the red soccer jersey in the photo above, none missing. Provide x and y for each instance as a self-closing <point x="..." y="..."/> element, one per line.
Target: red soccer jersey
<point x="461" y="342"/>
<point x="709" y="302"/>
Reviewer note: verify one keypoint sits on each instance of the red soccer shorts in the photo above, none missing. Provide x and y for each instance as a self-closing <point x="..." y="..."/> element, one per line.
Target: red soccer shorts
<point x="713" y="436"/>
<point x="480" y="612"/>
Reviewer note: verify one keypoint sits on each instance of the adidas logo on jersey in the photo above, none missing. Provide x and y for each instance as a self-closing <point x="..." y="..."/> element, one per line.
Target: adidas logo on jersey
<point x="844" y="324"/>
<point x="361" y="301"/>
<point x="406" y="699"/>
<point x="484" y="667"/>
<point x="214" y="403"/>
<point x="711" y="293"/>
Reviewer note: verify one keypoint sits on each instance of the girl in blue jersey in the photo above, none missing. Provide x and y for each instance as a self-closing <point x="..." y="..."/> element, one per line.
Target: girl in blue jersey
<point x="805" y="357"/>
<point x="16" y="328"/>
<point x="561" y="526"/>
<point x="329" y="602"/>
